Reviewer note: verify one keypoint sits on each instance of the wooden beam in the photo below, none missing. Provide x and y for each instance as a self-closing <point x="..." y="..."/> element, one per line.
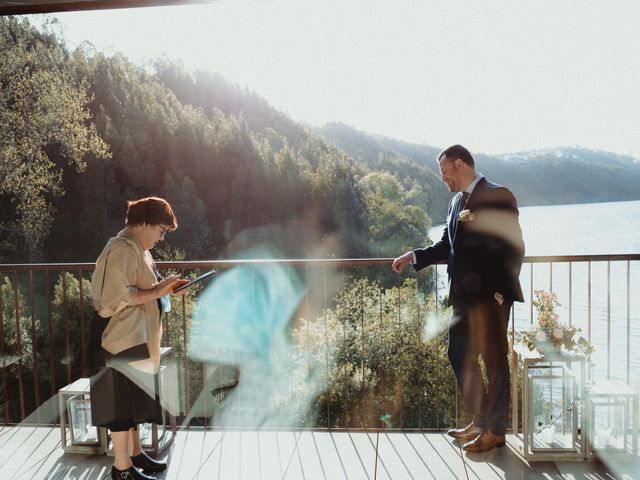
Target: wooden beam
<point x="26" y="8"/>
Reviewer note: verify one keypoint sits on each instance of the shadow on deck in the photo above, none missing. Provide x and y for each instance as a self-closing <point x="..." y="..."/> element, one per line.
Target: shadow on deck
<point x="28" y="452"/>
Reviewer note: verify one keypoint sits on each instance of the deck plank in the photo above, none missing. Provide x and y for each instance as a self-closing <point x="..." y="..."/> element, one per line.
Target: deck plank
<point x="30" y="452"/>
<point x="430" y="455"/>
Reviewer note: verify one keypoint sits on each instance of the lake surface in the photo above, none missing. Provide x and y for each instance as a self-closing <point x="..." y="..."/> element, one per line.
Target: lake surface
<point x="585" y="229"/>
<point x="602" y="298"/>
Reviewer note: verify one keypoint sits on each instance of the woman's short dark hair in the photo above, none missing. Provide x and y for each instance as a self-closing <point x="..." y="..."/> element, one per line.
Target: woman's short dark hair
<point x="455" y="152"/>
<point x="152" y="211"/>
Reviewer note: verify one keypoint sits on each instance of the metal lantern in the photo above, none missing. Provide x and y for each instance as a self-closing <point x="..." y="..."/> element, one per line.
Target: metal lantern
<point x="613" y="419"/>
<point x="77" y="433"/>
<point x="79" y="415"/>
<point x="554" y="407"/>
<point x="79" y="436"/>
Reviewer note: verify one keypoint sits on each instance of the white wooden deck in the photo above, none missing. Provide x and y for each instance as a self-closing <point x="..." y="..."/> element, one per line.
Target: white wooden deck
<point x="28" y="452"/>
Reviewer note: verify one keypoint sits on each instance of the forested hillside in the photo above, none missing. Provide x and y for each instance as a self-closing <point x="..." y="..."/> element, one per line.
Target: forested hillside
<point x="82" y="132"/>
<point x="413" y="165"/>
<point x="222" y="156"/>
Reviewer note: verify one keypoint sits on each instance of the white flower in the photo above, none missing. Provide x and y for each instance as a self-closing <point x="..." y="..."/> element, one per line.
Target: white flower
<point x="466" y="215"/>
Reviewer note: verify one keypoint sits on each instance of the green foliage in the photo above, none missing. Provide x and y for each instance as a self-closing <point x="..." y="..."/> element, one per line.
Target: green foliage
<point x="195" y="140"/>
<point x="191" y="211"/>
<point x="72" y="313"/>
<point x="394" y="226"/>
<point x="335" y="189"/>
<point x="44" y="116"/>
<point x="414" y="166"/>
<point x="382" y="358"/>
<point x="17" y="330"/>
<point x="16" y="334"/>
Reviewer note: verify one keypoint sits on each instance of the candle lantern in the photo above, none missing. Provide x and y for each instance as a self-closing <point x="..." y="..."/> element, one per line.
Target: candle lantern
<point x="553" y="419"/>
<point x="77" y="433"/>
<point x="79" y="415"/>
<point x="613" y="420"/>
<point x="552" y="406"/>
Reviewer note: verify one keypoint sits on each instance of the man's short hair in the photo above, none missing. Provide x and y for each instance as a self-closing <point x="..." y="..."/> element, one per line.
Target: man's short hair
<point x="455" y="152"/>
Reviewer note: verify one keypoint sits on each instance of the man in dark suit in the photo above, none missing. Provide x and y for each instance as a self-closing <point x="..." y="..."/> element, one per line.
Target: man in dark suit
<point x="482" y="243"/>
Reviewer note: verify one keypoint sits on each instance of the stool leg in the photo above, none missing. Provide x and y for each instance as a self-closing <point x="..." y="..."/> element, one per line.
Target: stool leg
<point x="63" y="426"/>
<point x="154" y="438"/>
<point x="173" y="422"/>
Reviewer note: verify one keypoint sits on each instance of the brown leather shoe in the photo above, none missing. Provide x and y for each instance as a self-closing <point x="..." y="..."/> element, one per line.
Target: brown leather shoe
<point x="484" y="442"/>
<point x="467" y="433"/>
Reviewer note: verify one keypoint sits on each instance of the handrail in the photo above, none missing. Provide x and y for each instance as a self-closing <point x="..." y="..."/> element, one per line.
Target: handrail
<point x="344" y="262"/>
<point x="222" y="264"/>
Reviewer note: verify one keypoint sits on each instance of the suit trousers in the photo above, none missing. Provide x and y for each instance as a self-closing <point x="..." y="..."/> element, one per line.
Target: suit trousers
<point x="480" y="330"/>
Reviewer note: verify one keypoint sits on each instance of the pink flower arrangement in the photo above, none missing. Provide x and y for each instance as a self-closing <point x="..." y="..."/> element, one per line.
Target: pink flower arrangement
<point x="549" y="334"/>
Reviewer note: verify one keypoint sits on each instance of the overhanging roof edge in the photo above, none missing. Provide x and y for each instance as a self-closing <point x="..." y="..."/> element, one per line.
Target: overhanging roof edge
<point x="11" y="8"/>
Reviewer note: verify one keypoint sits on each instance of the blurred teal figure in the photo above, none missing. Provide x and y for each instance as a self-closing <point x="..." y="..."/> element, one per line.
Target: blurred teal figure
<point x="245" y="319"/>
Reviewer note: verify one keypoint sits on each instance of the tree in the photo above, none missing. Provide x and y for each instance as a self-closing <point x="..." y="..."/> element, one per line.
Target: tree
<point x="44" y="119"/>
<point x="393" y="226"/>
<point x="193" y="233"/>
<point x="336" y="190"/>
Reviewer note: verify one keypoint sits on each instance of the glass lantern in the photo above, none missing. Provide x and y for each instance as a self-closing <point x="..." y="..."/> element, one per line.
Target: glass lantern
<point x="146" y="435"/>
<point x="79" y="415"/>
<point x="553" y="413"/>
<point x="553" y="402"/>
<point x="612" y="419"/>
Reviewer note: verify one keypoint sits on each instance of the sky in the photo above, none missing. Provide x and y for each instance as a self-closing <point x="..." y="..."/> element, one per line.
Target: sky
<point x="497" y="76"/>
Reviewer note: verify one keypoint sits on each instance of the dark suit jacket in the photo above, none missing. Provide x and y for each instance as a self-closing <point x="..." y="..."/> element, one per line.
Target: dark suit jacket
<point x="484" y="255"/>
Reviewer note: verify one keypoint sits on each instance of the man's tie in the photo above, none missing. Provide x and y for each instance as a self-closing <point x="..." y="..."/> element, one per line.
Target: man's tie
<point x="462" y="203"/>
<point x="464" y="200"/>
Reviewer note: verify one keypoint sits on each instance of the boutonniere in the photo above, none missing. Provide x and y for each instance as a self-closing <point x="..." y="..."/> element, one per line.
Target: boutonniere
<point x="466" y="216"/>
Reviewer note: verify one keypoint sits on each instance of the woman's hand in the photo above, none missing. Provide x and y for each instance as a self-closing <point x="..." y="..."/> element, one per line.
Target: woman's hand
<point x="167" y="285"/>
<point x="178" y="284"/>
<point x="163" y="287"/>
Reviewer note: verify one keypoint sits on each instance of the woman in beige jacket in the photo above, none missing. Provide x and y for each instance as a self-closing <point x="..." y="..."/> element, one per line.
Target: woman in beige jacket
<point x="129" y="297"/>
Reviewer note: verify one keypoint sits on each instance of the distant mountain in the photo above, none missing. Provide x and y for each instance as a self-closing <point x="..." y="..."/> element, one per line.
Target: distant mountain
<point x="541" y="177"/>
<point x="565" y="175"/>
<point x="564" y="152"/>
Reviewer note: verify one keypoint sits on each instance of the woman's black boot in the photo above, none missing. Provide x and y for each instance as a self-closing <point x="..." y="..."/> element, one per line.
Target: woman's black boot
<point x="132" y="473"/>
<point x="120" y="474"/>
<point x="146" y="463"/>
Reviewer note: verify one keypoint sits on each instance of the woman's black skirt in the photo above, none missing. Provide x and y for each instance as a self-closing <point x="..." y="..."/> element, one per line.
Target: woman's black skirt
<point x="120" y="392"/>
